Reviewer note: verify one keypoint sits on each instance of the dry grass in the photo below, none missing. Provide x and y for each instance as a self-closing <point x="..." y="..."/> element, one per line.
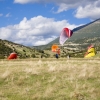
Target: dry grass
<point x="50" y="79"/>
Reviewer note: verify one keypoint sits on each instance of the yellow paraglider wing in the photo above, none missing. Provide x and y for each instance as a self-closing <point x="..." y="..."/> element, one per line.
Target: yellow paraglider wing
<point x="90" y="52"/>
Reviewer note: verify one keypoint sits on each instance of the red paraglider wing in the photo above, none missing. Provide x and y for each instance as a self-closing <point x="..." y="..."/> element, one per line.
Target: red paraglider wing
<point x="65" y="34"/>
<point x="12" y="56"/>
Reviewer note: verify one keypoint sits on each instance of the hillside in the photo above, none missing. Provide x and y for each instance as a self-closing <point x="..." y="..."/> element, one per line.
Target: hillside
<point x="7" y="47"/>
<point x="90" y="33"/>
<point x="82" y="37"/>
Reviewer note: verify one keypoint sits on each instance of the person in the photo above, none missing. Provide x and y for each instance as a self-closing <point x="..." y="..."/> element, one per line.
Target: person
<point x="68" y="56"/>
<point x="57" y="56"/>
<point x="41" y="56"/>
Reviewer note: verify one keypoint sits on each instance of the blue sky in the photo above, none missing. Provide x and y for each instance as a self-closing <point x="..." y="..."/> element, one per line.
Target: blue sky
<point x="37" y="22"/>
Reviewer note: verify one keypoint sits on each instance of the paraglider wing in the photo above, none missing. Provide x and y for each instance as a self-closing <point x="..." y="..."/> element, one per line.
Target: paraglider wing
<point x="65" y="34"/>
<point x="91" y="46"/>
<point x="12" y="56"/>
<point x="90" y="52"/>
<point x="54" y="48"/>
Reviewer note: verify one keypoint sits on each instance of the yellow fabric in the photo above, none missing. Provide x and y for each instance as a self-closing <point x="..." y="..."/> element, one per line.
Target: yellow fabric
<point x="91" y="50"/>
<point x="90" y="53"/>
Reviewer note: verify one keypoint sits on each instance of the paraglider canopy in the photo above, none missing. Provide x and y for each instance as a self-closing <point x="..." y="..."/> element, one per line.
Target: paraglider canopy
<point x="91" y="46"/>
<point x="12" y="56"/>
<point x="54" y="48"/>
<point x="90" y="52"/>
<point x="65" y="34"/>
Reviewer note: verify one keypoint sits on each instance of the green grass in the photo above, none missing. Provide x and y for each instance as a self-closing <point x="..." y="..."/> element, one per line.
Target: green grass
<point x="50" y="79"/>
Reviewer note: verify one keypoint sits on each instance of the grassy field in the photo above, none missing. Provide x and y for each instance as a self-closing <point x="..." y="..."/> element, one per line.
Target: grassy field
<point x="50" y="79"/>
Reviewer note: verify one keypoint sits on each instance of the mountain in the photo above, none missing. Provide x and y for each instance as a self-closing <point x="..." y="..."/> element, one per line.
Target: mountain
<point x="86" y="35"/>
<point x="82" y="37"/>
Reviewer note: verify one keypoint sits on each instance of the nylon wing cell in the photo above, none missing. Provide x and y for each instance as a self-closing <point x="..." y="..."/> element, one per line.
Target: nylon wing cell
<point x="65" y="34"/>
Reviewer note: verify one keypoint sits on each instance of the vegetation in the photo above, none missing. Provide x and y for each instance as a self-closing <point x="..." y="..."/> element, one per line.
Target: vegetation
<point x="4" y="50"/>
<point x="50" y="79"/>
<point x="7" y="47"/>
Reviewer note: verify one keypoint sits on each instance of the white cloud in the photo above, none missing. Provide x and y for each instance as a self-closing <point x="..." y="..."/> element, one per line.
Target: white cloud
<point x="35" y="31"/>
<point x="5" y="33"/>
<point x="62" y="7"/>
<point x="85" y="8"/>
<point x="25" y="1"/>
<point x="91" y="11"/>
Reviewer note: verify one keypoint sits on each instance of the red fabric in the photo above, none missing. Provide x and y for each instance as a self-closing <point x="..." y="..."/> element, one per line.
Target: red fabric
<point x="12" y="56"/>
<point x="91" y="46"/>
<point x="68" y="32"/>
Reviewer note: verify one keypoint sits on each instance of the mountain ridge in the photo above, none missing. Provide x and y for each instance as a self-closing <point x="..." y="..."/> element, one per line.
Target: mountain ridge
<point x="84" y="35"/>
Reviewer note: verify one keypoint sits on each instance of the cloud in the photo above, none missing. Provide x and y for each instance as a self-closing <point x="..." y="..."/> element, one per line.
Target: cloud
<point x="91" y="11"/>
<point x="25" y="1"/>
<point x="5" y="33"/>
<point x="35" y="31"/>
<point x="85" y="8"/>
